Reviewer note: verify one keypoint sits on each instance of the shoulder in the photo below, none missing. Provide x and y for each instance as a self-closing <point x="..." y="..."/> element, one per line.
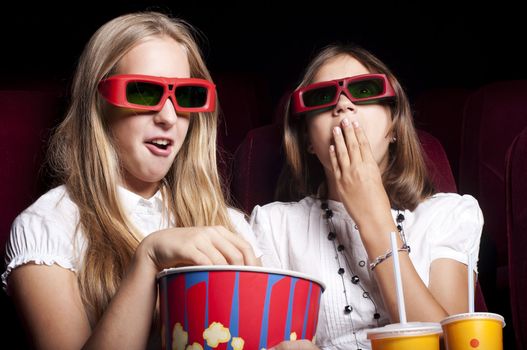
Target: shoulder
<point x="450" y="219"/>
<point x="444" y="204"/>
<point x="283" y="210"/>
<point x="54" y="203"/>
<point x="44" y="233"/>
<point x="453" y="224"/>
<point x="53" y="210"/>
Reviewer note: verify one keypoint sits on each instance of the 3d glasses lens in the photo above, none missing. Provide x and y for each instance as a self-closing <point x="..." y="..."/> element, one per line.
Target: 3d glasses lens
<point x="320" y="96"/>
<point x="191" y="96"/>
<point x="366" y="88"/>
<point x="144" y="94"/>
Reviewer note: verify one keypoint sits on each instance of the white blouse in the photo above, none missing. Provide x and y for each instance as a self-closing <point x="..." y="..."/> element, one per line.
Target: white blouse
<point x="294" y="236"/>
<point x="46" y="232"/>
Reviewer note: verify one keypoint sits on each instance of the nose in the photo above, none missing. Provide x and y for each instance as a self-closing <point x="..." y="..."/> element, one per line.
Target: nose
<point x="167" y="116"/>
<point x="343" y="104"/>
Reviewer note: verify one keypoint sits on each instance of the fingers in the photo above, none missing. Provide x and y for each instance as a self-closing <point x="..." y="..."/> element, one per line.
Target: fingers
<point x="223" y="247"/>
<point x="334" y="162"/>
<point x="231" y="254"/>
<point x="215" y="255"/>
<point x="212" y="245"/>
<point x="341" y="151"/>
<point x="363" y="143"/>
<point x="352" y="144"/>
<point x="242" y="246"/>
<point x="196" y="246"/>
<point x="197" y="257"/>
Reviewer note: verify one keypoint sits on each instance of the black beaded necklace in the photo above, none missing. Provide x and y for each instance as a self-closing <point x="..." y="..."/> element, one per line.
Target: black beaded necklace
<point x="332" y="236"/>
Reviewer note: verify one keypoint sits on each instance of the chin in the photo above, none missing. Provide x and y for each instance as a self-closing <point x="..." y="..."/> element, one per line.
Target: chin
<point x="152" y="176"/>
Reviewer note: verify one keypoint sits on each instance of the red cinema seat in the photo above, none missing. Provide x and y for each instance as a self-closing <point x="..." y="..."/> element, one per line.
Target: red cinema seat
<point x="493" y="117"/>
<point x="440" y="112"/>
<point x="244" y="101"/>
<point x="516" y="184"/>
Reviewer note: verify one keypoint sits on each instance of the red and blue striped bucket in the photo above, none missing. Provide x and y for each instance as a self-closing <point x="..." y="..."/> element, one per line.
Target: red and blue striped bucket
<point x="236" y="307"/>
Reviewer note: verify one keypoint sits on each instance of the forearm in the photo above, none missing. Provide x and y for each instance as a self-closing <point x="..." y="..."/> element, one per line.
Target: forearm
<point x="419" y="302"/>
<point x="127" y="321"/>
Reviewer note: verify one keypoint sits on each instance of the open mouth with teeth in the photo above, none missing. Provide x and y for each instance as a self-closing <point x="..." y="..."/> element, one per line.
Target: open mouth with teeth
<point x="159" y="143"/>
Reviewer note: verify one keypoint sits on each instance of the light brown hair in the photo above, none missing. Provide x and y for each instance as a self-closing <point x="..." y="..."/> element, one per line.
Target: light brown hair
<point x="405" y="179"/>
<point x="83" y="154"/>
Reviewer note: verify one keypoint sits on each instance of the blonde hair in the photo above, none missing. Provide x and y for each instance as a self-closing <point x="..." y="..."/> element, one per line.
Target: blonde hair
<point x="405" y="179"/>
<point x="86" y="161"/>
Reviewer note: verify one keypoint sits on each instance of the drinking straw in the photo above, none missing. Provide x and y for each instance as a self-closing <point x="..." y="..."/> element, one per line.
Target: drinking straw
<point x="398" y="280"/>
<point x="470" y="283"/>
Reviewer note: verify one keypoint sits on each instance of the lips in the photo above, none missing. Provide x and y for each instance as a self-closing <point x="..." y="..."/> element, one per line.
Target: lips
<point x="160" y="146"/>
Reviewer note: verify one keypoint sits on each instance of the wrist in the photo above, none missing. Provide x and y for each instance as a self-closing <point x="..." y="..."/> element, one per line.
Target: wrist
<point x="377" y="215"/>
<point x="376" y="239"/>
<point x="143" y="261"/>
<point x="388" y="254"/>
<point x="374" y="226"/>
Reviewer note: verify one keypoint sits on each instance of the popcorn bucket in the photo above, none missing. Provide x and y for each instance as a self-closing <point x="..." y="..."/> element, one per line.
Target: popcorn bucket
<point x="236" y="307"/>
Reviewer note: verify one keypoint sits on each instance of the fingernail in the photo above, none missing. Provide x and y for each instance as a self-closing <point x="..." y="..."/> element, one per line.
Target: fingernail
<point x="345" y="122"/>
<point x="355" y="123"/>
<point x="331" y="148"/>
<point x="336" y="130"/>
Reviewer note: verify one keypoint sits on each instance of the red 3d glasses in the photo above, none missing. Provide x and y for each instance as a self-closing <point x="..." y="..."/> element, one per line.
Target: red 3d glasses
<point x="149" y="93"/>
<point x="360" y="89"/>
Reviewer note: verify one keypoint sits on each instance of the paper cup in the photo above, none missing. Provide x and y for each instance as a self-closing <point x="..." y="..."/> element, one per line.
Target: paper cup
<point x="406" y="336"/>
<point x="236" y="307"/>
<point x="473" y="331"/>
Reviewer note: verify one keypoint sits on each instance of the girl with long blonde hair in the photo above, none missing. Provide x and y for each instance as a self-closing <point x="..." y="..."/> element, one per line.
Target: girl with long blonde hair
<point x="356" y="169"/>
<point x="136" y="154"/>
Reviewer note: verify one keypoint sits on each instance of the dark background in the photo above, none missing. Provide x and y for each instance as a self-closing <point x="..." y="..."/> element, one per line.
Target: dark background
<point x="427" y="45"/>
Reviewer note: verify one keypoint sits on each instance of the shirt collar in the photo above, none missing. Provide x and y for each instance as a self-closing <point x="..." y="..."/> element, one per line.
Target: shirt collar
<point x="130" y="200"/>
